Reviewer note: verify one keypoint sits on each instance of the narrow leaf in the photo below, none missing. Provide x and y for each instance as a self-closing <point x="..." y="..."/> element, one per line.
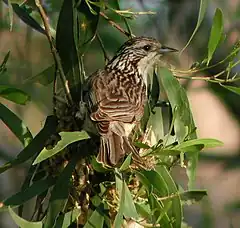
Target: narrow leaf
<point x="66" y="139"/>
<point x="65" y="42"/>
<point x="4" y="62"/>
<point x="184" y="124"/>
<point x="201" y="14"/>
<point x="16" y="125"/>
<point x="216" y="33"/>
<point x="129" y="209"/>
<point x="207" y="143"/>
<point x="15" y="95"/>
<point x="36" y="145"/>
<point x="26" y="18"/>
<point x="35" y="189"/>
<point x="126" y="163"/>
<point x="45" y="77"/>
<point x="95" y="220"/>
<point x="118" y="221"/>
<point x="163" y="185"/>
<point x="193" y="196"/>
<point x="65" y="220"/>
<point x="22" y="222"/>
<point x="233" y="89"/>
<point x="59" y="194"/>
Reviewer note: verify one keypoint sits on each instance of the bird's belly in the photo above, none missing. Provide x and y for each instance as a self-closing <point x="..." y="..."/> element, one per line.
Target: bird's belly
<point x="128" y="127"/>
<point x="121" y="128"/>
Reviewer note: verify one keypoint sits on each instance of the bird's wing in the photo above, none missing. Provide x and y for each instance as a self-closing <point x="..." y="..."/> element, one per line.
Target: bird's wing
<point x="111" y="101"/>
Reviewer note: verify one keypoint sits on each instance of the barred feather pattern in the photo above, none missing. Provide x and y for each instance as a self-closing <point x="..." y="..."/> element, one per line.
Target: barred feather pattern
<point x="116" y="98"/>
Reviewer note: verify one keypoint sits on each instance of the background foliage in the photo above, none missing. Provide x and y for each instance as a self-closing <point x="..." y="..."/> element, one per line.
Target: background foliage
<point x="97" y="29"/>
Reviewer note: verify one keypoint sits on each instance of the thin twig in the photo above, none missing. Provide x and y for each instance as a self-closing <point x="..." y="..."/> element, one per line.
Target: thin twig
<point x="54" y="51"/>
<point x="106" y="58"/>
<point x="117" y="26"/>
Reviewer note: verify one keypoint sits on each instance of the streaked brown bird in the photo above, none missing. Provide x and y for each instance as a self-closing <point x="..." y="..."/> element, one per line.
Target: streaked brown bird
<point x="117" y="96"/>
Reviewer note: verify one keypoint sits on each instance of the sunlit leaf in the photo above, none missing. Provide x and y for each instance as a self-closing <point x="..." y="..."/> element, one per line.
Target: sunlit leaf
<point x="207" y="143"/>
<point x="126" y="200"/>
<point x="184" y="125"/>
<point x="95" y="220"/>
<point x="65" y="220"/>
<point x="16" y="125"/>
<point x="159" y="216"/>
<point x="125" y="165"/>
<point x="216" y="33"/>
<point x="118" y="221"/>
<point x="143" y="209"/>
<point x="232" y="88"/>
<point x="163" y="186"/>
<point x="22" y="222"/>
<point x="36" y="145"/>
<point x="167" y="152"/>
<point x="66" y="139"/>
<point x="201" y="14"/>
<point x="15" y="95"/>
<point x="141" y="145"/>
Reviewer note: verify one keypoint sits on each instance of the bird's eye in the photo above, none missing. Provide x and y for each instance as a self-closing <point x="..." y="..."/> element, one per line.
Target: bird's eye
<point x="147" y="47"/>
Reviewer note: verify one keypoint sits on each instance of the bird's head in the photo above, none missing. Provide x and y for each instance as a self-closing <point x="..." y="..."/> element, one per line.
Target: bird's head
<point x="139" y="53"/>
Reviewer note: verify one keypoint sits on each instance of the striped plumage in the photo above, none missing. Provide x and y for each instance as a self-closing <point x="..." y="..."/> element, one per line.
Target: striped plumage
<point x="117" y="96"/>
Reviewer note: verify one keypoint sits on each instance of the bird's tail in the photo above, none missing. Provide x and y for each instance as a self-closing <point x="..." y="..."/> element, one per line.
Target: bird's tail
<point x="113" y="148"/>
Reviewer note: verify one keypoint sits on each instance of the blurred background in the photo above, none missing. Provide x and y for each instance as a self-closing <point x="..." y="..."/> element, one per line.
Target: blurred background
<point x="216" y="111"/>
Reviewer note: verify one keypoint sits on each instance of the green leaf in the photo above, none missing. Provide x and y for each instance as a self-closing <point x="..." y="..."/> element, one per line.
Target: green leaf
<point x="35" y="189"/>
<point x="193" y="196"/>
<point x="22" y="222"/>
<point x="66" y="44"/>
<point x="45" y="77"/>
<point x="98" y="166"/>
<point x="216" y="33"/>
<point x="126" y="163"/>
<point x="184" y="124"/>
<point x="16" y="125"/>
<point x="15" y="95"/>
<point x="163" y="185"/>
<point x="143" y="209"/>
<point x="207" y="143"/>
<point x="141" y="145"/>
<point x="66" y="139"/>
<point x="125" y="197"/>
<point x="65" y="220"/>
<point x="129" y="209"/>
<point x="36" y="145"/>
<point x="233" y="89"/>
<point x="96" y="219"/>
<point x="159" y="215"/>
<point x="26" y="18"/>
<point x="4" y="62"/>
<point x="59" y="194"/>
<point x="88" y="24"/>
<point x="201" y="14"/>
<point x="167" y="152"/>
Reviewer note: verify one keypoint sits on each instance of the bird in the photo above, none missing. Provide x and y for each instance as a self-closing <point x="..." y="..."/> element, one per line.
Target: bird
<point x="116" y="97"/>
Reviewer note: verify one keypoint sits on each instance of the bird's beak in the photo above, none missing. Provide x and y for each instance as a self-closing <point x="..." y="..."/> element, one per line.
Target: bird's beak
<point x="165" y="49"/>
